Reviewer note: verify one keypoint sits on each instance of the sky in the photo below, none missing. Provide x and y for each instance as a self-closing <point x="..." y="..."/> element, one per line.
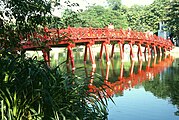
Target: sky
<point x="129" y="3"/>
<point x="84" y="3"/>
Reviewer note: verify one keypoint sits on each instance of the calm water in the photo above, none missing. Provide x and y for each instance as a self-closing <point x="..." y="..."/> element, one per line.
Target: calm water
<point x="149" y="92"/>
<point x="153" y="96"/>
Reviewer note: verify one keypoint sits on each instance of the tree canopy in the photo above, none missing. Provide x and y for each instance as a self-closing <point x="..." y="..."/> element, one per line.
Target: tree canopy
<point x="29" y="15"/>
<point x="140" y="18"/>
<point x="173" y="16"/>
<point x="98" y="16"/>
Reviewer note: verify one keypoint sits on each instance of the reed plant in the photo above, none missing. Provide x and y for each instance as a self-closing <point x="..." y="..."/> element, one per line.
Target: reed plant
<point x="31" y="90"/>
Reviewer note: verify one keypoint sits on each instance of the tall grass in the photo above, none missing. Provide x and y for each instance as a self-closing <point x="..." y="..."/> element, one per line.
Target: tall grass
<point x="30" y="90"/>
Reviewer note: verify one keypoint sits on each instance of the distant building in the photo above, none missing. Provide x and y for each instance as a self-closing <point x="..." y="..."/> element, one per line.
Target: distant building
<point x="162" y="32"/>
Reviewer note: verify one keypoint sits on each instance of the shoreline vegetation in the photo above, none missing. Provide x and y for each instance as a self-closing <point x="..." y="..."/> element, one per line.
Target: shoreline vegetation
<point x="30" y="90"/>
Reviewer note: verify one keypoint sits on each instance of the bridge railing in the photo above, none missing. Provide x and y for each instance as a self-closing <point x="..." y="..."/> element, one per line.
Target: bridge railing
<point x="97" y="34"/>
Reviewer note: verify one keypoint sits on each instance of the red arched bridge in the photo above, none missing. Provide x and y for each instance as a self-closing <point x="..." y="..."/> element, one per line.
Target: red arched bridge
<point x="71" y="37"/>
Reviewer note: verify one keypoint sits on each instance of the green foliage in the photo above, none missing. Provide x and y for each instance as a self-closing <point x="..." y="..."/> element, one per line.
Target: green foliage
<point x="173" y="17"/>
<point x="100" y="17"/>
<point x="136" y="17"/>
<point x="114" y="4"/>
<point x="143" y="18"/>
<point x="72" y="19"/>
<point x="27" y="13"/>
<point x="31" y="90"/>
<point x="23" y="18"/>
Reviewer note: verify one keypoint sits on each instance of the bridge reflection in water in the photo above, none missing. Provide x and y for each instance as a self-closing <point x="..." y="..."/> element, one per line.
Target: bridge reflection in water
<point x="153" y="67"/>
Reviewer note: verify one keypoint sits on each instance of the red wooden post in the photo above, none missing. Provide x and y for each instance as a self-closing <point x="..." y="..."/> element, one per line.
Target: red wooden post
<point x="132" y="68"/>
<point x="131" y="51"/>
<point x="91" y="56"/>
<point x="145" y="50"/>
<point x="70" y="52"/>
<point x="121" y="51"/>
<point x="155" y="51"/>
<point x="107" y="72"/>
<point x="121" y="71"/>
<point x="165" y="50"/>
<point x="68" y="56"/>
<point x="85" y="54"/>
<point x="160" y="50"/>
<point x="139" y="51"/>
<point x="92" y="75"/>
<point x="155" y="59"/>
<point x="160" y="59"/>
<point x="149" y="51"/>
<point x="46" y="55"/>
<point x="107" y="53"/>
<point x="112" y="51"/>
<point x="101" y="51"/>
<point x="123" y="47"/>
<point x="140" y="66"/>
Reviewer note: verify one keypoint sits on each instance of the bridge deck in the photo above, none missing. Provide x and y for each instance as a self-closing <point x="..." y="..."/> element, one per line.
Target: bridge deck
<point x="82" y="36"/>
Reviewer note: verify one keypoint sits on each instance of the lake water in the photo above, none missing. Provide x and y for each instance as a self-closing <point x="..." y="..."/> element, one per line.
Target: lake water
<point x="142" y="90"/>
<point x="146" y="93"/>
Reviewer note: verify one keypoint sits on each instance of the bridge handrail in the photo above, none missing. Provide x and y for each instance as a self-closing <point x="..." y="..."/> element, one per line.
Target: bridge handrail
<point x="96" y="34"/>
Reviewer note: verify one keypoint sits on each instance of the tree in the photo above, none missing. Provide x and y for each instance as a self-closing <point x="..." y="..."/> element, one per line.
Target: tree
<point x="173" y="17"/>
<point x="143" y="18"/>
<point x="22" y="17"/>
<point x="135" y="17"/>
<point x="114" y="4"/>
<point x="71" y="18"/>
<point x="100" y="17"/>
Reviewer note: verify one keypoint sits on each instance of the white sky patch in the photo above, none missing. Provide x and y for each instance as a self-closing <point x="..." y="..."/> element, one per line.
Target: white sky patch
<point x="129" y="3"/>
<point x="84" y="3"/>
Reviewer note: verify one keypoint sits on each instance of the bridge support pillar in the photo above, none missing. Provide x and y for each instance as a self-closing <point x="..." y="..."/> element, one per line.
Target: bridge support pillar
<point x="160" y="59"/>
<point x="155" y="51"/>
<point x="131" y="51"/>
<point x="46" y="55"/>
<point x="88" y="47"/>
<point x="121" y="46"/>
<point x="101" y="51"/>
<point x="139" y="51"/>
<point x="148" y="63"/>
<point x="149" y="51"/>
<point x="132" y="67"/>
<point x="165" y="50"/>
<point x="106" y="51"/>
<point x="85" y="54"/>
<point x="160" y="51"/>
<point x="140" y="66"/>
<point x="70" y="56"/>
<point x="107" y="72"/>
<point x="112" y="51"/>
<point x="155" y="60"/>
<point x="121" y="71"/>
<point x="92" y="76"/>
<point x="107" y="54"/>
